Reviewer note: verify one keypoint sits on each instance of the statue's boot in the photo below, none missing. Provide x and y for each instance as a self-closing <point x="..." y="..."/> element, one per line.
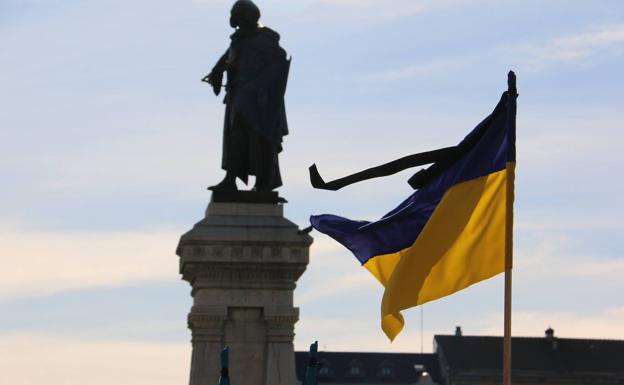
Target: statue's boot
<point x="228" y="184"/>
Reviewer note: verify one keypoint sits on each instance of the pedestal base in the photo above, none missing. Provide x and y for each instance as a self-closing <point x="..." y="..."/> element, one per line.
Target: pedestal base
<point x="242" y="261"/>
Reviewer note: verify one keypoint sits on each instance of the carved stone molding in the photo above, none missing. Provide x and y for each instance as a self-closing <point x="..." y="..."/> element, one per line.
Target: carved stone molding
<point x="206" y="330"/>
<point x="252" y="276"/>
<point x="198" y="251"/>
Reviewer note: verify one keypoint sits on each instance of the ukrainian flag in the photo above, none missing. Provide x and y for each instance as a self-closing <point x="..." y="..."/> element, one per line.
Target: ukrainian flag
<point x="454" y="231"/>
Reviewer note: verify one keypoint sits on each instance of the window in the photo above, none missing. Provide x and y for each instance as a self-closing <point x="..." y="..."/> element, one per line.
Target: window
<point x="356" y="369"/>
<point x="324" y="370"/>
<point x="385" y="370"/>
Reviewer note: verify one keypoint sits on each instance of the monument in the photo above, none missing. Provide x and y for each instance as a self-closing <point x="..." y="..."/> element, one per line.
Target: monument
<point x="244" y="257"/>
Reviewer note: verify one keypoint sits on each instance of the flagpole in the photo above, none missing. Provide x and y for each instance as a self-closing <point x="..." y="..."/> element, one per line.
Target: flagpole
<point x="512" y="94"/>
<point x="507" y="331"/>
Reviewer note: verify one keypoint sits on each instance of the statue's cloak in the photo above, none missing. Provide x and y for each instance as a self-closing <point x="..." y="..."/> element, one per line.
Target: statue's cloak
<point x="255" y="116"/>
<point x="257" y="75"/>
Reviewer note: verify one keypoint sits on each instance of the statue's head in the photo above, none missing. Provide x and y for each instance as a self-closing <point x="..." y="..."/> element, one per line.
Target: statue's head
<point x="245" y="14"/>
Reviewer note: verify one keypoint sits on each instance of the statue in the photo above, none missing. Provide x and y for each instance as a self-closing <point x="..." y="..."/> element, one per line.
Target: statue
<point x="255" y="114"/>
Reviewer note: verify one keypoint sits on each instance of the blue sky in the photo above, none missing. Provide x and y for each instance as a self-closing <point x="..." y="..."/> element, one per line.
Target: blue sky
<point x="108" y="140"/>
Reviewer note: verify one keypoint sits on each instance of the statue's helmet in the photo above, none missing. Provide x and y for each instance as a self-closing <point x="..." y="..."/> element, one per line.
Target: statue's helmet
<point x="244" y="14"/>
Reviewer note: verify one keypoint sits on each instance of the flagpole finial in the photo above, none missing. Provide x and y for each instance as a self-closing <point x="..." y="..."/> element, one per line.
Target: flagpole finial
<point x="511" y="83"/>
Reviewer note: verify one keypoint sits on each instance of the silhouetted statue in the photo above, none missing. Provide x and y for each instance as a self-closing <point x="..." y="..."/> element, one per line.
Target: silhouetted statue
<point x="255" y="115"/>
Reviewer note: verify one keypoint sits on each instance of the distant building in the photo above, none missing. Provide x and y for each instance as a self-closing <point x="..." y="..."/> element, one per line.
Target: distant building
<point x="372" y="368"/>
<point x="477" y="360"/>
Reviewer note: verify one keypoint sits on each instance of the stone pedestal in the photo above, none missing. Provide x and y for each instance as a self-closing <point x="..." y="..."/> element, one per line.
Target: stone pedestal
<point x="242" y="261"/>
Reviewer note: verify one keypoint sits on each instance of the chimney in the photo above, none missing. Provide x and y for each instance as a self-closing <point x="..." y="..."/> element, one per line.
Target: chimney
<point x="458" y="331"/>
<point x="550" y="336"/>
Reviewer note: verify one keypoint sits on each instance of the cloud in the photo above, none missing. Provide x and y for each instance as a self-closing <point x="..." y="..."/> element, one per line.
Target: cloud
<point x="29" y="358"/>
<point x="397" y="8"/>
<point x="550" y="250"/>
<point x="613" y="269"/>
<point x="415" y="71"/>
<point x="336" y="267"/>
<point x="375" y="11"/>
<point x="358" y="334"/>
<point x="45" y="262"/>
<point x="136" y="330"/>
<point x="606" y="323"/>
<point x="568" y="221"/>
<point x="343" y="333"/>
<point x="554" y="262"/>
<point x="348" y="282"/>
<point x="163" y="157"/>
<point x="582" y="135"/>
<point x="578" y="48"/>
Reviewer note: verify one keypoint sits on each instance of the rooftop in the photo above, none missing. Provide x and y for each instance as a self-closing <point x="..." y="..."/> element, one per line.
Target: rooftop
<point x="397" y="368"/>
<point x="546" y="354"/>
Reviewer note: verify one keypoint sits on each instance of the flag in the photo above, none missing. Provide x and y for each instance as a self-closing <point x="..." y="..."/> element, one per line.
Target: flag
<point x="454" y="231"/>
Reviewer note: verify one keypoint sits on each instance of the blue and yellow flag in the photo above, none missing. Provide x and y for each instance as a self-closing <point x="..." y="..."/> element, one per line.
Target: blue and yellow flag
<point x="454" y="231"/>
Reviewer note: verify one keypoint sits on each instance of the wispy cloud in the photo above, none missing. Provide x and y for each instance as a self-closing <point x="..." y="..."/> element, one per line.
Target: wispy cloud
<point x="549" y="262"/>
<point x="356" y="281"/>
<point x="569" y="139"/>
<point x="346" y="335"/>
<point x="535" y="221"/>
<point x="553" y="254"/>
<point x="335" y="266"/>
<point x="44" y="263"/>
<point x="612" y="269"/>
<point x="30" y="358"/>
<point x="415" y="71"/>
<point x="607" y="323"/>
<point x="376" y="11"/>
<point x="439" y="319"/>
<point x="383" y="8"/>
<point x="578" y="48"/>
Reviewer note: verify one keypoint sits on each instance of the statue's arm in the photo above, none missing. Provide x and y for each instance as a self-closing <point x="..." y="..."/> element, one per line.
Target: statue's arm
<point x="215" y="77"/>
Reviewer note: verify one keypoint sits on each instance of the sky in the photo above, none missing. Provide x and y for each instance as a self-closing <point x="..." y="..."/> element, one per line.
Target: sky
<point x="108" y="140"/>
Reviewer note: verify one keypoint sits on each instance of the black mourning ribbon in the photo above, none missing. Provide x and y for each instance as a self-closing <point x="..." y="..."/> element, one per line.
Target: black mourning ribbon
<point x="442" y="155"/>
<point x="441" y="158"/>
